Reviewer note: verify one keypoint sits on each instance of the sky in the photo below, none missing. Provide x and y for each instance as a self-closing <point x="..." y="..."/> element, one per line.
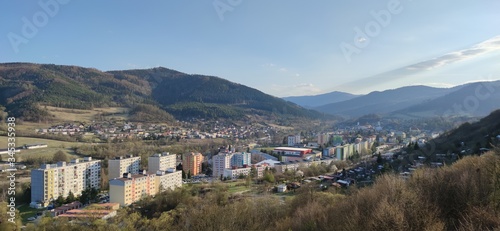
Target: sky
<point x="281" y="47"/>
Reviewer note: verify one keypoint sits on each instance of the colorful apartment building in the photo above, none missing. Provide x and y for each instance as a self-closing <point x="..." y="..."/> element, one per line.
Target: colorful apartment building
<point x="53" y="180"/>
<point x="191" y="162"/>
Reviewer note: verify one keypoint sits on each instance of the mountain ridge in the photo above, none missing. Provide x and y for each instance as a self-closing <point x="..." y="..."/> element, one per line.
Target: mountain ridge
<point x="27" y="86"/>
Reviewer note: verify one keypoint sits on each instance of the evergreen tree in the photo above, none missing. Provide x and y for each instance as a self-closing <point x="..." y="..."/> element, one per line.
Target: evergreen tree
<point x="71" y="197"/>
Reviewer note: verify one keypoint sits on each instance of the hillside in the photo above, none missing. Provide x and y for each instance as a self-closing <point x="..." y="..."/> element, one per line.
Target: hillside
<point x="311" y="101"/>
<point x="188" y="95"/>
<point x="481" y="134"/>
<point x="474" y="100"/>
<point x="25" y="88"/>
<point x="383" y="102"/>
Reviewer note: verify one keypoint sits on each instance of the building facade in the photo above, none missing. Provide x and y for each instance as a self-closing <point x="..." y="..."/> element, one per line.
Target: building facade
<point x="53" y="180"/>
<point x="241" y="159"/>
<point x="161" y="162"/>
<point x="191" y="162"/>
<point x="168" y="180"/>
<point x="220" y="162"/>
<point x="323" y="138"/>
<point x="120" y="165"/>
<point x="131" y="188"/>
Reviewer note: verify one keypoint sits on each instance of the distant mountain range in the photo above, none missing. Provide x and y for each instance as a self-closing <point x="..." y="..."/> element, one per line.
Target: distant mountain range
<point x="473" y="99"/>
<point x="311" y="101"/>
<point x="159" y="93"/>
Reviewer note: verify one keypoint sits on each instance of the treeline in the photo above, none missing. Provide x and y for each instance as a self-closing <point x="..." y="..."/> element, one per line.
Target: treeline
<point x="205" y="110"/>
<point x="149" y="113"/>
<point x="464" y="196"/>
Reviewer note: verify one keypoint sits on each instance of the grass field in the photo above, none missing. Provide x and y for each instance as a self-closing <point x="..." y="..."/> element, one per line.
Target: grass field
<point x="67" y="115"/>
<point x="53" y="147"/>
<point x="238" y="189"/>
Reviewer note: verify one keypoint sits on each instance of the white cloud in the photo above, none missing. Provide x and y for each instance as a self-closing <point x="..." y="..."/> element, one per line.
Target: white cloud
<point x="452" y="57"/>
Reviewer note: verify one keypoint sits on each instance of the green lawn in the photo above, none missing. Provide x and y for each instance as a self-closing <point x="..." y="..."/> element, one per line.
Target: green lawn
<point x="237" y="189"/>
<point x="26" y="211"/>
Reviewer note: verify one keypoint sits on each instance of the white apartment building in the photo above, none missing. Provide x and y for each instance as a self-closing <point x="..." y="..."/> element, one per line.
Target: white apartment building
<point x="234" y="173"/>
<point x="161" y="162"/>
<point x="53" y="180"/>
<point x="220" y="162"/>
<point x="120" y="165"/>
<point x="169" y="179"/>
<point x="293" y="140"/>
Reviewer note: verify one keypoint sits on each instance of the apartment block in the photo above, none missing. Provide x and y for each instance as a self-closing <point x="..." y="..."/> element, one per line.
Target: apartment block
<point x="120" y="165"/>
<point x="191" y="162"/>
<point x="234" y="173"/>
<point x="161" y="162"/>
<point x="132" y="187"/>
<point x="241" y="159"/>
<point x="293" y="140"/>
<point x="323" y="138"/>
<point x="220" y="162"/>
<point x="169" y="179"/>
<point x="53" y="180"/>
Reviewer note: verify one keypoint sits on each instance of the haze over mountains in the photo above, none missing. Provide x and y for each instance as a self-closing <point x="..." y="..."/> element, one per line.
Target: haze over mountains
<point x="312" y="101"/>
<point x="472" y="99"/>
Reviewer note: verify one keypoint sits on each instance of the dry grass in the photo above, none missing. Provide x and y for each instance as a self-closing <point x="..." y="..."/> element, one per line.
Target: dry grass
<point x="66" y="114"/>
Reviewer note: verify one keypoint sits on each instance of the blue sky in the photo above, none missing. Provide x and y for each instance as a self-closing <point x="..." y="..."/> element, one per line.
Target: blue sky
<point x="281" y="47"/>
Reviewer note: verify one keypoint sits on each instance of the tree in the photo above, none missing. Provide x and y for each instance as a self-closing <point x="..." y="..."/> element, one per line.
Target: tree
<point x="60" y="156"/>
<point x="70" y="198"/>
<point x="60" y="200"/>
<point x="268" y="176"/>
<point x="189" y="174"/>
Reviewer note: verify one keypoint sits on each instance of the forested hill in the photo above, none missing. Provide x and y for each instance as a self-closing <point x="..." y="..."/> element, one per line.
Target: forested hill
<point x="471" y="137"/>
<point x="26" y="87"/>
